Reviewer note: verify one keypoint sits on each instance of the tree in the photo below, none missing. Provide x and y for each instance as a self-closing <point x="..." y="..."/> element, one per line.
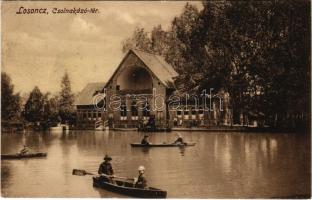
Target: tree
<point x="66" y="100"/>
<point x="258" y="52"/>
<point x="34" y="107"/>
<point x="10" y="102"/>
<point x="139" y="40"/>
<point x="51" y="110"/>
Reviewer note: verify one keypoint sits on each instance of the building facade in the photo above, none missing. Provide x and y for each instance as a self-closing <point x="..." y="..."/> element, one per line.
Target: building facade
<point x="139" y="91"/>
<point x="87" y="114"/>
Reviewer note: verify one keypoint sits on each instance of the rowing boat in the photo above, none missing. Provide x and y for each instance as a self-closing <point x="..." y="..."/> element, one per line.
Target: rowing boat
<point x="128" y="189"/>
<point x="20" y="156"/>
<point x="163" y="144"/>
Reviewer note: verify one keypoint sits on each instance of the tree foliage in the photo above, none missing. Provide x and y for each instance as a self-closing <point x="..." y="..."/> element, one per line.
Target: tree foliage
<point x="66" y="99"/>
<point x="34" y="107"/>
<point x="10" y="101"/>
<point x="257" y="51"/>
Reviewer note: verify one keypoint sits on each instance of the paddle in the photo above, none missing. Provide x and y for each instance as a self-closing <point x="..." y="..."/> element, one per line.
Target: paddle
<point x="82" y="172"/>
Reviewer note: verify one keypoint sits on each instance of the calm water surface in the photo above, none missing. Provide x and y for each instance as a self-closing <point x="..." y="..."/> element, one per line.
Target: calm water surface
<point x="221" y="165"/>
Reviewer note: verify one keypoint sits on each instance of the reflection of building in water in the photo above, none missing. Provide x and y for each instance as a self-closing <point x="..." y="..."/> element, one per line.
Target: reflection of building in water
<point x="138" y="93"/>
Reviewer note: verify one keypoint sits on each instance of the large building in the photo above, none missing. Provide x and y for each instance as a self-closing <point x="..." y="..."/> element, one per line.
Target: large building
<point x="87" y="114"/>
<point x="139" y="90"/>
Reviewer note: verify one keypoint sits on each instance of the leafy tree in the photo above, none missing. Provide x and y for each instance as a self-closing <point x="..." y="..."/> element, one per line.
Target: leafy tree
<point x="34" y="107"/>
<point x="66" y="100"/>
<point x="258" y="52"/>
<point x="10" y="102"/>
<point x="139" y="40"/>
<point x="51" y="110"/>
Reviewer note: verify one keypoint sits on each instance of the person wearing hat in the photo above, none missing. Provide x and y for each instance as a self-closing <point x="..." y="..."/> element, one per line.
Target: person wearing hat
<point x="141" y="182"/>
<point x="24" y="150"/>
<point x="144" y="140"/>
<point x="106" y="168"/>
<point x="179" y="140"/>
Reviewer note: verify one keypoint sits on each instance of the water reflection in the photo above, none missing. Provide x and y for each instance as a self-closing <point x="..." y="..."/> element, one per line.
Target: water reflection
<point x="145" y="150"/>
<point x="220" y="165"/>
<point x="182" y="150"/>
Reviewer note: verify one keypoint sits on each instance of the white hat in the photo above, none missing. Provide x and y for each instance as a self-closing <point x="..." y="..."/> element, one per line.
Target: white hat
<point x="141" y="168"/>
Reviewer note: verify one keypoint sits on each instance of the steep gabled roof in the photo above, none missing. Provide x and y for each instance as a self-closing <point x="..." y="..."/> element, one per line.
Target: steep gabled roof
<point x="162" y="70"/>
<point x="85" y="97"/>
<point x="156" y="64"/>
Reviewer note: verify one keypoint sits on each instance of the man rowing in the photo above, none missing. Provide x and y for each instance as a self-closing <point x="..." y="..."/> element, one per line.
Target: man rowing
<point x="106" y="169"/>
<point x="179" y="140"/>
<point x="144" y="140"/>
<point x="24" y="150"/>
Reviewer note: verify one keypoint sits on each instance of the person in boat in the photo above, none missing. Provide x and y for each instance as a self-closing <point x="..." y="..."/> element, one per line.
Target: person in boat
<point x="24" y="151"/>
<point x="179" y="140"/>
<point x="141" y="182"/>
<point x="144" y="140"/>
<point x="106" y="169"/>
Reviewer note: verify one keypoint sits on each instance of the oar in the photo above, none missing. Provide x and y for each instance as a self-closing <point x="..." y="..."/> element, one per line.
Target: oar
<point x="82" y="172"/>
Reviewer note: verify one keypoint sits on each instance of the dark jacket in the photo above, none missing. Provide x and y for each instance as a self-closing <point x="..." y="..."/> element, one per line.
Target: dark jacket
<point x="144" y="141"/>
<point x="106" y="168"/>
<point x="179" y="140"/>
<point x="141" y="183"/>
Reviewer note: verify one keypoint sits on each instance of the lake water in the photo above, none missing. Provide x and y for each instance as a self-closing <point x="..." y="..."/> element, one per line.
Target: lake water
<point x="220" y="165"/>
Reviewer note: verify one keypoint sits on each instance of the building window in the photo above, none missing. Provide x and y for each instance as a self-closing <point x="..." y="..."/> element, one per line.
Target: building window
<point x="89" y="115"/>
<point x="117" y="87"/>
<point x="134" y="111"/>
<point x="193" y="111"/>
<point x="186" y="114"/>
<point x="123" y="111"/>
<point x="94" y="115"/>
<point x="179" y="113"/>
<point x="201" y="113"/>
<point x="146" y="111"/>
<point x="99" y="115"/>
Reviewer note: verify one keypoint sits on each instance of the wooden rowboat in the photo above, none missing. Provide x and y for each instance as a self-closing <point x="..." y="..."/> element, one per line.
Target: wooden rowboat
<point x="163" y="145"/>
<point x="20" y="156"/>
<point x="128" y="189"/>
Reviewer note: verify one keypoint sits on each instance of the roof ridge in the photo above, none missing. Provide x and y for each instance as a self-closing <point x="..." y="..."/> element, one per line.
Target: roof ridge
<point x="146" y="52"/>
<point x="96" y="82"/>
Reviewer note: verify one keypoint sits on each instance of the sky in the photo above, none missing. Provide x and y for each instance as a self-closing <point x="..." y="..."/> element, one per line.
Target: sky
<point x="37" y="49"/>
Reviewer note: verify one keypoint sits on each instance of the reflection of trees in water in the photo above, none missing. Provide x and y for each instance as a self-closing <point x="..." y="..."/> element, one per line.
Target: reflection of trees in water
<point x="68" y="137"/>
<point x="103" y="142"/>
<point x="5" y="176"/>
<point x="36" y="141"/>
<point x="10" y="143"/>
<point x="48" y="137"/>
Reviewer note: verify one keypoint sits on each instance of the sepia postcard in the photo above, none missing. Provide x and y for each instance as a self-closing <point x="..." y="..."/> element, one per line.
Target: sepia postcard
<point x="156" y="99"/>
